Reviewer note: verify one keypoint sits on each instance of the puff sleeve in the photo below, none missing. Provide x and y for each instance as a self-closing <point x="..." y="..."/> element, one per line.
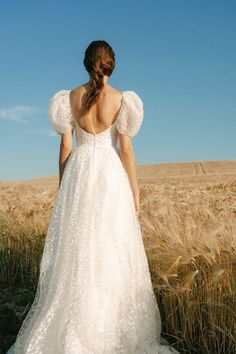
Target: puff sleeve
<point x="59" y="112"/>
<point x="131" y="114"/>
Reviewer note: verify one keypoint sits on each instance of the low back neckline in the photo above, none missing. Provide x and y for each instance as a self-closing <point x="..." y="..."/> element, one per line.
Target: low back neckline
<point x="104" y="130"/>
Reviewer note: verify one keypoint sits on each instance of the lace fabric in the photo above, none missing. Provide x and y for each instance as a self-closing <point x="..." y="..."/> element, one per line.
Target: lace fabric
<point x="59" y="112"/>
<point x="131" y="114"/>
<point x="128" y="121"/>
<point x="94" y="293"/>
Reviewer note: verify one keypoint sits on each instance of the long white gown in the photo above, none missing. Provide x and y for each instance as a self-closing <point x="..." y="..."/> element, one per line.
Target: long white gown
<point x="94" y="293"/>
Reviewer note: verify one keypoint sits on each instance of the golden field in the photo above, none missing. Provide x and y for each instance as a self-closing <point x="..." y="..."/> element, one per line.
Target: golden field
<point x="188" y="220"/>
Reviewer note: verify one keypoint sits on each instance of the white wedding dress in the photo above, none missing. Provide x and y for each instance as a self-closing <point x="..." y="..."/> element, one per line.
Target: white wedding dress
<point x="94" y="293"/>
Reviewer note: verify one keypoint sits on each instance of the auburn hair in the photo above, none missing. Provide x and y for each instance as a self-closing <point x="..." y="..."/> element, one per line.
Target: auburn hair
<point x="99" y="60"/>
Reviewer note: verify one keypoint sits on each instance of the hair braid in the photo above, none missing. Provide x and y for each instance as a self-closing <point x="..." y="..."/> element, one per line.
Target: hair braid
<point x="99" y="60"/>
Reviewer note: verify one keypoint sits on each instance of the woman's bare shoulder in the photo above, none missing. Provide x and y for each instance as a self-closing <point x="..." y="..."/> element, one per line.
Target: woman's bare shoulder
<point x="79" y="90"/>
<point x="112" y="93"/>
<point x="107" y="92"/>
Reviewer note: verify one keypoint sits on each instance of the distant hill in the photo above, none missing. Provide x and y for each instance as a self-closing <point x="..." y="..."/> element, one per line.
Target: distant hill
<point x="152" y="173"/>
<point x="197" y="171"/>
<point x="187" y="168"/>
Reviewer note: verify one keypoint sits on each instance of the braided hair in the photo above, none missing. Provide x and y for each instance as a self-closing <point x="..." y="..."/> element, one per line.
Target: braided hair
<point x="99" y="60"/>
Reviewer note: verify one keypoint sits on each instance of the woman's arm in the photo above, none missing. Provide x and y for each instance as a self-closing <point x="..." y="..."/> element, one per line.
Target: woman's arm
<point x="65" y="151"/>
<point x="128" y="159"/>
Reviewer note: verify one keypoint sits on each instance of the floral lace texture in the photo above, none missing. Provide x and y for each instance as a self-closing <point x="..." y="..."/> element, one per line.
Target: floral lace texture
<point x="128" y="121"/>
<point x="59" y="112"/>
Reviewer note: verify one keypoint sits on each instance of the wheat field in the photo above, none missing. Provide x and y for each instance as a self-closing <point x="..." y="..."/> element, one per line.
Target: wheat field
<point x="188" y="221"/>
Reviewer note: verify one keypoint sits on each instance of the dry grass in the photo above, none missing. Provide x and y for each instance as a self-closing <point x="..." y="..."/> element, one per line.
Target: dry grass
<point x="190" y="238"/>
<point x="189" y="233"/>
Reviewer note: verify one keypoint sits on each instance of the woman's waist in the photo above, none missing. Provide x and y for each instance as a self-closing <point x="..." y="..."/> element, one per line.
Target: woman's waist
<point x="100" y="148"/>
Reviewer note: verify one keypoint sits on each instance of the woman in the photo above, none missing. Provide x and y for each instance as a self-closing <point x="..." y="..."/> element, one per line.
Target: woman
<point x="94" y="293"/>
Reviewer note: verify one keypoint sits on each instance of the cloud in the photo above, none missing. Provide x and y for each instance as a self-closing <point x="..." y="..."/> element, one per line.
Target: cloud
<point x="17" y="113"/>
<point x="41" y="131"/>
<point x="51" y="132"/>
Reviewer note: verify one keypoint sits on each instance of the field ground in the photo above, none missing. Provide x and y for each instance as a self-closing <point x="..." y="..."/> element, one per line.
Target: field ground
<point x="188" y="220"/>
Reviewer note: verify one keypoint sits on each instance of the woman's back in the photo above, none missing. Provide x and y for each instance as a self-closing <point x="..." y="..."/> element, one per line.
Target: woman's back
<point x="101" y="115"/>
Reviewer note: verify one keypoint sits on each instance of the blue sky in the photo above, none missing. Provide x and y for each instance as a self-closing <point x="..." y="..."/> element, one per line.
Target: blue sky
<point x="179" y="56"/>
